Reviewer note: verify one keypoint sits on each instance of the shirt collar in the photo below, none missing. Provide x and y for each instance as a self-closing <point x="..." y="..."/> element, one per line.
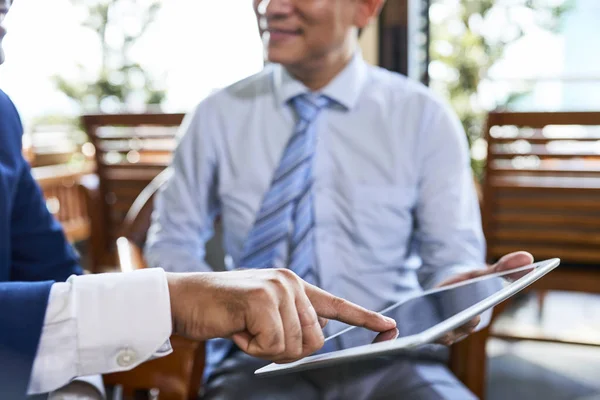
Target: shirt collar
<point x="344" y="88"/>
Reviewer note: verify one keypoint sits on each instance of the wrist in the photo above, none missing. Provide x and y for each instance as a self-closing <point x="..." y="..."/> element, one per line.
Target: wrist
<point x="174" y="284"/>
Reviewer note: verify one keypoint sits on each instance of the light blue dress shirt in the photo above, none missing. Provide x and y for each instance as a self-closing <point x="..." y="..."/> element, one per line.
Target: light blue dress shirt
<point x="395" y="205"/>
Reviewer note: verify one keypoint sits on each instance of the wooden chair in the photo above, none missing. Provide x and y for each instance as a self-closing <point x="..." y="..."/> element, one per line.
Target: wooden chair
<point x="131" y="150"/>
<point x="541" y="194"/>
<point x="177" y="376"/>
<point x="66" y="198"/>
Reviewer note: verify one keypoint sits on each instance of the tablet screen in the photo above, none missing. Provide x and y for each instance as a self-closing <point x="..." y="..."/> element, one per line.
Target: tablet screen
<point x="417" y="314"/>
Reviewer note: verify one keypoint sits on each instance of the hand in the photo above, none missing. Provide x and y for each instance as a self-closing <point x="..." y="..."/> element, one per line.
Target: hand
<point x="268" y="313"/>
<point x="508" y="262"/>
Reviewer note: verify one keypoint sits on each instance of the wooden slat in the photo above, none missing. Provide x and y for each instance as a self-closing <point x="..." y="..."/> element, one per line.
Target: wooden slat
<point x="543" y="119"/>
<point x="125" y="188"/>
<point x="124" y="146"/>
<point x="133" y="119"/>
<point x="542" y="140"/>
<point x="118" y="135"/>
<point x="108" y="133"/>
<point x="156" y="165"/>
<point x="53" y="175"/>
<point x="127" y="191"/>
<point x="583" y="184"/>
<point x="552" y="164"/>
<point x="546" y="155"/>
<point x="576" y="149"/>
<point x="545" y="236"/>
<point x="548" y="221"/>
<point x="145" y="174"/>
<point x="564" y="205"/>
<point x="547" y="172"/>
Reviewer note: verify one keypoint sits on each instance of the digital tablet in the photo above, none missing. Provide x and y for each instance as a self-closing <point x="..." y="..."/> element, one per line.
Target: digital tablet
<point x="422" y="318"/>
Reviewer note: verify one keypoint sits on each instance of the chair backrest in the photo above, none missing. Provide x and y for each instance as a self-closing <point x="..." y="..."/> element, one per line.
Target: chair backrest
<point x="65" y="198"/>
<point x="138" y="219"/>
<point x="131" y="150"/>
<point x="542" y="185"/>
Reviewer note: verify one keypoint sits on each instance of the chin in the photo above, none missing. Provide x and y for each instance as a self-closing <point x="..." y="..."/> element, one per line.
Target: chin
<point x="284" y="56"/>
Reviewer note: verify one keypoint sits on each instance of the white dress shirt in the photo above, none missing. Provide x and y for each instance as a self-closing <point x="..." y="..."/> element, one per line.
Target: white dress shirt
<point x="102" y="323"/>
<point x="395" y="206"/>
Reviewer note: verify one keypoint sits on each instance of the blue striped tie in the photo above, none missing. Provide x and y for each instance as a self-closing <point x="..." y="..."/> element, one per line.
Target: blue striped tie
<point x="282" y="235"/>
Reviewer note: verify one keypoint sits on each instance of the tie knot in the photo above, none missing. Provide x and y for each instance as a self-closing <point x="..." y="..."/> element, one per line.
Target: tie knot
<point x="307" y="106"/>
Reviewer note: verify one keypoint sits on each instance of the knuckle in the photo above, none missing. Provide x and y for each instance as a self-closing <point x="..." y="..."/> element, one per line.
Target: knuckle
<point x="275" y="344"/>
<point x="286" y="277"/>
<point x="280" y="284"/>
<point x="319" y="340"/>
<point x="287" y="273"/>
<point x="308" y="316"/>
<point x="277" y="278"/>
<point x="295" y="352"/>
<point x="264" y="295"/>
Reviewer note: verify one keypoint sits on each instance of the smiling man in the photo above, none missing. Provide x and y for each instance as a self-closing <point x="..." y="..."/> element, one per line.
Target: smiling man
<point x="352" y="176"/>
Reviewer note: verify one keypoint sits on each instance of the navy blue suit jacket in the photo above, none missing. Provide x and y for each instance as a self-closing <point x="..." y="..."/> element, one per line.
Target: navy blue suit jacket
<point x="33" y="254"/>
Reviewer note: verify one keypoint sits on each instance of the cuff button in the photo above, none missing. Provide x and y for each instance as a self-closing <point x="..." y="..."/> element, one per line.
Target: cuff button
<point x="126" y="358"/>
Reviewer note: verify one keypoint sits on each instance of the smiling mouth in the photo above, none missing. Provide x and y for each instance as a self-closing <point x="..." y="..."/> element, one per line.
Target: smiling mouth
<point x="279" y="35"/>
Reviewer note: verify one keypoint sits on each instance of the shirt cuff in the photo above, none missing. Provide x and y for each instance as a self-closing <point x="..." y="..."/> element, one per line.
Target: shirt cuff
<point x="102" y="323"/>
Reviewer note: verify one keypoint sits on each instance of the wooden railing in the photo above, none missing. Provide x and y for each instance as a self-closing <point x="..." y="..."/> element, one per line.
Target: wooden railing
<point x="66" y="198"/>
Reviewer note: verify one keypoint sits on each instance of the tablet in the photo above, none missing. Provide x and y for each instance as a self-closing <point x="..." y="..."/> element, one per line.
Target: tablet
<point x="422" y="318"/>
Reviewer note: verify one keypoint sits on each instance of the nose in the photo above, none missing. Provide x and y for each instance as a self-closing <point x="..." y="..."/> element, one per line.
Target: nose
<point x="274" y="8"/>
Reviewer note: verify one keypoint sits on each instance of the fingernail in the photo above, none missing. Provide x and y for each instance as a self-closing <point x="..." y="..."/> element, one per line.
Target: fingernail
<point x="388" y="320"/>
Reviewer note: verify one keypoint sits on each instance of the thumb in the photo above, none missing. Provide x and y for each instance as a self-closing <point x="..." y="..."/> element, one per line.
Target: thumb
<point x="513" y="260"/>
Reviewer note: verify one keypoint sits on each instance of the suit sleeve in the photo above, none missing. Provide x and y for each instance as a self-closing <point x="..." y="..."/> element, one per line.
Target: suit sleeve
<point x="22" y="312"/>
<point x="39" y="249"/>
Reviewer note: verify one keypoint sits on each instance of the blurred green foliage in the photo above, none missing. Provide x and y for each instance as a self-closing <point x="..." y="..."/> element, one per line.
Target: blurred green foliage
<point x="119" y="80"/>
<point x="465" y="44"/>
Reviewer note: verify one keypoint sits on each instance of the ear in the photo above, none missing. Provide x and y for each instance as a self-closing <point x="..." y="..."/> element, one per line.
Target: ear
<point x="366" y="10"/>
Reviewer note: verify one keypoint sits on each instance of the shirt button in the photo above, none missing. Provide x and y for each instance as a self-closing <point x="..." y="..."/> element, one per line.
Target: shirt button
<point x="126" y="358"/>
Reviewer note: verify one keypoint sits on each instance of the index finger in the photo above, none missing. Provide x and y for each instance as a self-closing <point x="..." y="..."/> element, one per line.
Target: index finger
<point x="332" y="307"/>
